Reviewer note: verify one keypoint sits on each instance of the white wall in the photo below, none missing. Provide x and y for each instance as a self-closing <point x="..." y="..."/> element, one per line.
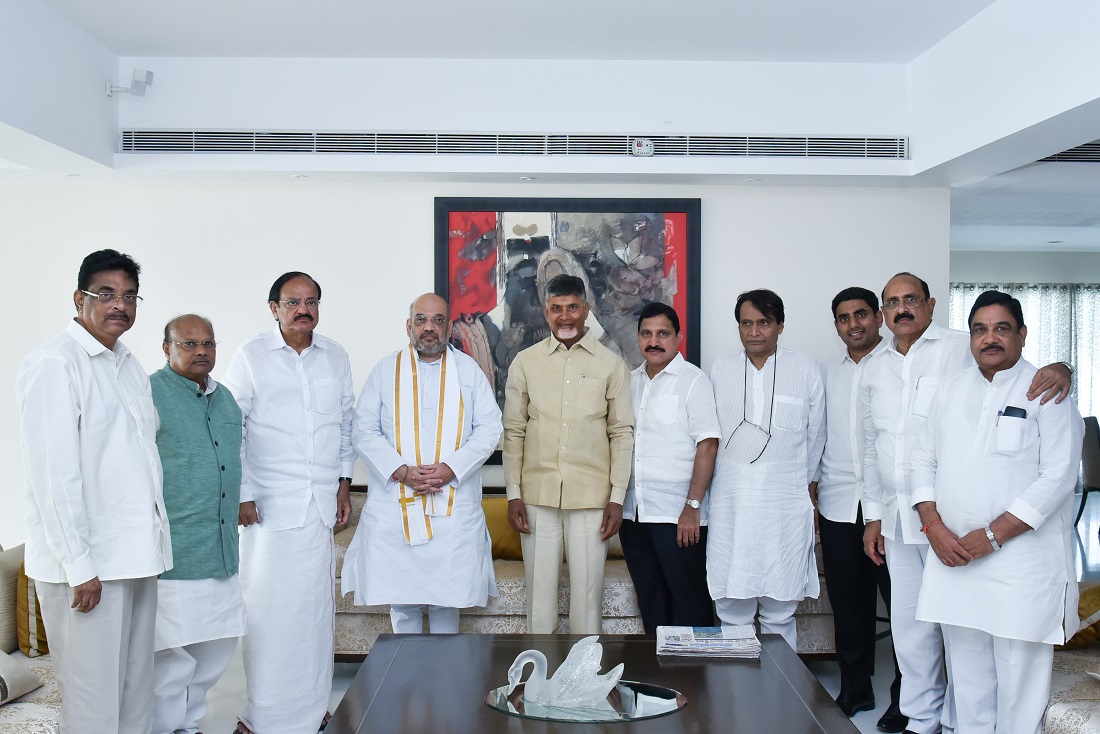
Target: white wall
<point x="1025" y="267"/>
<point x="216" y="247"/>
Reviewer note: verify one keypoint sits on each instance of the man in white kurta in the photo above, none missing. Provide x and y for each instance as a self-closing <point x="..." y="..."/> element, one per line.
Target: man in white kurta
<point x="771" y="406"/>
<point x="993" y="481"/>
<point x="426" y="421"/>
<point x="97" y="528"/>
<point x="898" y="387"/>
<point x="295" y="392"/>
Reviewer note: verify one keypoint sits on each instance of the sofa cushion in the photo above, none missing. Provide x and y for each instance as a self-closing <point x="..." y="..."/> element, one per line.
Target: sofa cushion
<point x="10" y="560"/>
<point x="28" y="622"/>
<point x="16" y="678"/>
<point x="506" y="545"/>
<point x="1088" y="611"/>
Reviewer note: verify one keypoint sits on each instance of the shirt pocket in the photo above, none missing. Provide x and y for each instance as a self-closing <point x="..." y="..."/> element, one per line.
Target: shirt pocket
<point x="590" y="396"/>
<point x="663" y="408"/>
<point x="922" y="396"/>
<point x="1010" y="434"/>
<point x="788" y="412"/>
<point x="327" y="392"/>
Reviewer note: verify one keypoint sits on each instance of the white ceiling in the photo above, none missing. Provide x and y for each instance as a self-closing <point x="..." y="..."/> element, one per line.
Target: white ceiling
<point x="859" y="31"/>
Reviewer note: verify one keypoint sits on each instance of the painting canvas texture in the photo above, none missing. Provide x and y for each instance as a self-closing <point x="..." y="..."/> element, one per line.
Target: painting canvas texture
<point x="498" y="264"/>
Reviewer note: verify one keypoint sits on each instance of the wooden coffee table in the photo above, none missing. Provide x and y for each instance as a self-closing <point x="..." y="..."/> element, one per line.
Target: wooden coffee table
<point x="438" y="683"/>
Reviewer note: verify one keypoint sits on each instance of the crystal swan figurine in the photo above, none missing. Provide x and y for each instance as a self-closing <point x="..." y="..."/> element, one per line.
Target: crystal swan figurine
<point x="577" y="683"/>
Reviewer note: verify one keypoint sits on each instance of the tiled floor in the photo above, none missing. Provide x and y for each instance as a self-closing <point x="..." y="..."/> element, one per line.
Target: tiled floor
<point x="227" y="698"/>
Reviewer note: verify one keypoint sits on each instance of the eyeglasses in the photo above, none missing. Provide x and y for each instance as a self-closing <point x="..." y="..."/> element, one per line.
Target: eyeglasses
<point x="744" y="409"/>
<point x="437" y="320"/>
<point x="192" y="346"/>
<point x="296" y="302"/>
<point x="891" y="304"/>
<point x="130" y="299"/>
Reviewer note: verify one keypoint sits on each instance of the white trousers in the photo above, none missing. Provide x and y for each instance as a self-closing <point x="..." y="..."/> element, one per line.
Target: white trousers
<point x="1001" y="686"/>
<point x="776" y="617"/>
<point x="287" y="579"/>
<point x="917" y="645"/>
<point x="579" y="530"/>
<point x="182" y="676"/>
<point x="103" y="659"/>
<point x="408" y="619"/>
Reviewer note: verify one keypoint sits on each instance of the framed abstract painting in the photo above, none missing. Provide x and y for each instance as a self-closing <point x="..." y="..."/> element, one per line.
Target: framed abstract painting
<point x="494" y="256"/>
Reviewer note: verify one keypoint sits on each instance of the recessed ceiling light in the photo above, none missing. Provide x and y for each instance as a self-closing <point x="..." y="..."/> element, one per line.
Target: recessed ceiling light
<point x="72" y="175"/>
<point x="526" y="178"/>
<point x="299" y="176"/>
<point x="1055" y="242"/>
<point x="752" y="180"/>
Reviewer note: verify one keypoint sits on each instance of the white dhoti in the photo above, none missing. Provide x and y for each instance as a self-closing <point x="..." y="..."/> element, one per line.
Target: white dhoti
<point x="198" y="623"/>
<point x="288" y="580"/>
<point x="103" y="659"/>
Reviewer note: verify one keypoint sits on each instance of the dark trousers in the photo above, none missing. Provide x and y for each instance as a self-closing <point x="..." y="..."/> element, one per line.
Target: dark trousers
<point x="670" y="581"/>
<point x="853" y="580"/>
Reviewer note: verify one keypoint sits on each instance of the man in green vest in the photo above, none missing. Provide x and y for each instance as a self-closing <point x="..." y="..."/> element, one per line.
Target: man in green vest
<point x="200" y="613"/>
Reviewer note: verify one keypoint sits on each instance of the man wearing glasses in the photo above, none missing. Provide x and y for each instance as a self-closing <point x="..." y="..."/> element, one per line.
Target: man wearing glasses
<point x="200" y="613"/>
<point x="294" y="389"/>
<point x="426" y="421"/>
<point x="97" y="529"/>
<point x="771" y="406"/>
<point x="898" y="387"/>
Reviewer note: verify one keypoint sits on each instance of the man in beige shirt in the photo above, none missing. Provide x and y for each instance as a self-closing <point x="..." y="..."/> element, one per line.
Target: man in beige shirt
<point x="568" y="440"/>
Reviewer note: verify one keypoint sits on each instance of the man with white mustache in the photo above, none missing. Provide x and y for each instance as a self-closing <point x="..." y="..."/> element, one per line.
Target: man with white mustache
<point x="898" y="387"/>
<point x="568" y="440"/>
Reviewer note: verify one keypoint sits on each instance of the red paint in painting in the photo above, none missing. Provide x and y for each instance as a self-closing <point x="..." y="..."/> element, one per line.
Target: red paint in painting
<point x="473" y="277"/>
<point x="676" y="253"/>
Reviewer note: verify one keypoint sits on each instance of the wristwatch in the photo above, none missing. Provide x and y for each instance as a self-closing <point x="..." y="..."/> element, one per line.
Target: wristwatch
<point x="693" y="504"/>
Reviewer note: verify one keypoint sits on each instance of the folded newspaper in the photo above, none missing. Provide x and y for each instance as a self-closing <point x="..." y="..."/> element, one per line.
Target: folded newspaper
<point x="712" y="642"/>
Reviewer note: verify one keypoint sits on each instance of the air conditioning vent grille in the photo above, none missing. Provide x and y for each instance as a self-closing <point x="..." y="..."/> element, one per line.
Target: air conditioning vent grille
<point x="390" y="143"/>
<point x="1087" y="153"/>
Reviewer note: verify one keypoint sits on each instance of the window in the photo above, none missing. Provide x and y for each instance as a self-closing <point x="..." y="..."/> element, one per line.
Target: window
<point x="1061" y="323"/>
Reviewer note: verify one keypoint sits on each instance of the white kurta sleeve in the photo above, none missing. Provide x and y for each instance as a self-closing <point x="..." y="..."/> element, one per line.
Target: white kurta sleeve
<point x="347" y="421"/>
<point x="242" y="387"/>
<point x="371" y="443"/>
<point x="485" y="424"/>
<point x="923" y="460"/>
<point x="50" y="429"/>
<point x="815" y="425"/>
<point x="702" y="414"/>
<point x="872" y="483"/>
<point x="1061" y="432"/>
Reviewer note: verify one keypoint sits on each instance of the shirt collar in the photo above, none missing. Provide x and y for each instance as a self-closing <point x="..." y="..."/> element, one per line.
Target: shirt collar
<point x="882" y="346"/>
<point x="587" y="341"/>
<point x="934" y="331"/>
<point x="90" y="344"/>
<point x="211" y="385"/>
<point x="673" y="368"/>
<point x="278" y="342"/>
<point x="1002" y="376"/>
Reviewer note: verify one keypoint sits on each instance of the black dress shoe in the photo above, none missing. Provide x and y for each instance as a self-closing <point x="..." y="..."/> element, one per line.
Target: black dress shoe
<point x="893" y="720"/>
<point x="852" y="705"/>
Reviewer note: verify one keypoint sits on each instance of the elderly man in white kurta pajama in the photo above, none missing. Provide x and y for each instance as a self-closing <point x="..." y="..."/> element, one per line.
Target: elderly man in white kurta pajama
<point x="993" y="481"/>
<point x="426" y="421"/>
<point x="771" y="406"/>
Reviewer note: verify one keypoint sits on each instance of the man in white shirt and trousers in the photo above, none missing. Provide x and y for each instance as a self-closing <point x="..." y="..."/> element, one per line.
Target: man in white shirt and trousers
<point x="294" y="389"/>
<point x="993" y="481"/>
<point x="898" y="387"/>
<point x="426" y="421"/>
<point x="852" y="580"/>
<point x="676" y="431"/>
<point x="771" y="405"/>
<point x="97" y="529"/>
